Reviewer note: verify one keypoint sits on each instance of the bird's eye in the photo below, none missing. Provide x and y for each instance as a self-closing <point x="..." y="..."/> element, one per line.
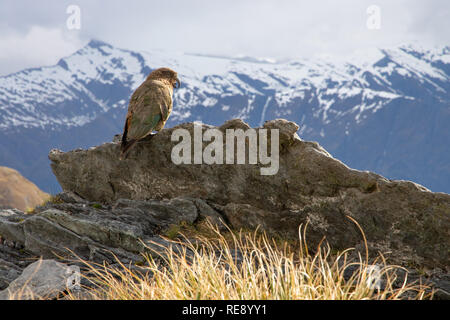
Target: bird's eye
<point x="177" y="83"/>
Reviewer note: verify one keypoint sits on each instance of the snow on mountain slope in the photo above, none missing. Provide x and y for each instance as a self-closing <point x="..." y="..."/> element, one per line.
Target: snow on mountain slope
<point x="372" y="99"/>
<point x="36" y="97"/>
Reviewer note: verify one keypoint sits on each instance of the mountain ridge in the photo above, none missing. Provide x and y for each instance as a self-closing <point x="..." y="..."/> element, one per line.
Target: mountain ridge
<point x="17" y="192"/>
<point x="364" y="113"/>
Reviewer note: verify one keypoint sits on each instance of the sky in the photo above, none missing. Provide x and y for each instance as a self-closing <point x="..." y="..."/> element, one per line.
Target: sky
<point x="38" y="33"/>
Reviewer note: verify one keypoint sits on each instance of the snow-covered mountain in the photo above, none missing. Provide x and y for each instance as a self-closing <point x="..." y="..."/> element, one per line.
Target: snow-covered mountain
<point x="388" y="112"/>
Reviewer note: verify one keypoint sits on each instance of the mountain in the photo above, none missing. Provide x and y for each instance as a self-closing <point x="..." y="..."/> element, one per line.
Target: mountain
<point x="18" y="192"/>
<point x="387" y="111"/>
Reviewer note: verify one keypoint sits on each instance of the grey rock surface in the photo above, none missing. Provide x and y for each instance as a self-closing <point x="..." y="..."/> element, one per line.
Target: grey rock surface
<point x="114" y="209"/>
<point x="43" y="279"/>
<point x="400" y="218"/>
<point x="76" y="228"/>
<point x="93" y="231"/>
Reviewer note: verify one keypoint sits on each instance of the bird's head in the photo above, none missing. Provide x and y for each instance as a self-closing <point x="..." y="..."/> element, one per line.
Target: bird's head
<point x="165" y="74"/>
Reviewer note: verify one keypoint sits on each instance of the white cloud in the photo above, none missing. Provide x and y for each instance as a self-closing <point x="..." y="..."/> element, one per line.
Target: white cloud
<point x="39" y="46"/>
<point x="36" y="33"/>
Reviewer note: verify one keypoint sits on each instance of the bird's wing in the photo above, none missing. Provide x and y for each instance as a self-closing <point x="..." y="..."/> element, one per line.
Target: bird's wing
<point x="165" y="103"/>
<point x="149" y="106"/>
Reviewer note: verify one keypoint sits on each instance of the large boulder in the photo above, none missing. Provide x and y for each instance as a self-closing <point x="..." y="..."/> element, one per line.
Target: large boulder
<point x="402" y="219"/>
<point x="43" y="279"/>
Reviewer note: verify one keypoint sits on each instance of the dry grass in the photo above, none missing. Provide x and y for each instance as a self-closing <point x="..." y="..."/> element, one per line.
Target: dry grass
<point x="209" y="269"/>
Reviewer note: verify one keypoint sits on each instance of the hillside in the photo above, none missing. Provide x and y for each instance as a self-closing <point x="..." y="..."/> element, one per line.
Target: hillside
<point x="386" y="112"/>
<point x="18" y="192"/>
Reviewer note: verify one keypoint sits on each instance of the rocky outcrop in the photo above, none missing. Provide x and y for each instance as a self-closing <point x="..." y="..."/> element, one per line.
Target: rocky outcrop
<point x="398" y="217"/>
<point x="18" y="192"/>
<point x="97" y="232"/>
<point x="68" y="228"/>
<point x="118" y="209"/>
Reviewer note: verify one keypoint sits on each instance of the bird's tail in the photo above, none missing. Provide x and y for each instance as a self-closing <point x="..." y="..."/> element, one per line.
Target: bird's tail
<point x="125" y="148"/>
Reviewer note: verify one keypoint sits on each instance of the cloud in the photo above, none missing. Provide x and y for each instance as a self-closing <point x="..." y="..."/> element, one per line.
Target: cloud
<point x="39" y="46"/>
<point x="263" y="28"/>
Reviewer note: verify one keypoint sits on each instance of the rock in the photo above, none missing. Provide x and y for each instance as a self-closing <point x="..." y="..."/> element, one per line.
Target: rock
<point x="43" y="279"/>
<point x="208" y="213"/>
<point x="400" y="218"/>
<point x="442" y="294"/>
<point x="112" y="209"/>
<point x="12" y="263"/>
<point x="93" y="231"/>
<point x="440" y="281"/>
<point x="163" y="212"/>
<point x="70" y="197"/>
<point x="90" y="231"/>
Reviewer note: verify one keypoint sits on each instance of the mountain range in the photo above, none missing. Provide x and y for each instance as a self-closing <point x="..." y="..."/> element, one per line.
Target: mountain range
<point x="386" y="111"/>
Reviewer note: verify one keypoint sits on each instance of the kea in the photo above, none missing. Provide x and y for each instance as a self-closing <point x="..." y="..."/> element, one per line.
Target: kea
<point x="149" y="107"/>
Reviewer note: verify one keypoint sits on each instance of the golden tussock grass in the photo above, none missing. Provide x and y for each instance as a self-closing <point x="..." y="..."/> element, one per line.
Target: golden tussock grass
<point x="211" y="268"/>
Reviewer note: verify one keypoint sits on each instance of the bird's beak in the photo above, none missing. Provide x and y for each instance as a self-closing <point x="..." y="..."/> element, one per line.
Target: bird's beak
<point x="177" y="83"/>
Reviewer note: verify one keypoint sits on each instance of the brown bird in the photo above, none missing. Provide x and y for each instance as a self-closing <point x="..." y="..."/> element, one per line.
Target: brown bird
<point x="149" y="107"/>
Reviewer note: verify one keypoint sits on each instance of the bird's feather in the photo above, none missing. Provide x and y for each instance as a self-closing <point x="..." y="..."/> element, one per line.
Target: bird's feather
<point x="149" y="109"/>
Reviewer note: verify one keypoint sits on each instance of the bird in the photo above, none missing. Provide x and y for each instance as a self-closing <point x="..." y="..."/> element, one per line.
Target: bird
<point x="149" y="107"/>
